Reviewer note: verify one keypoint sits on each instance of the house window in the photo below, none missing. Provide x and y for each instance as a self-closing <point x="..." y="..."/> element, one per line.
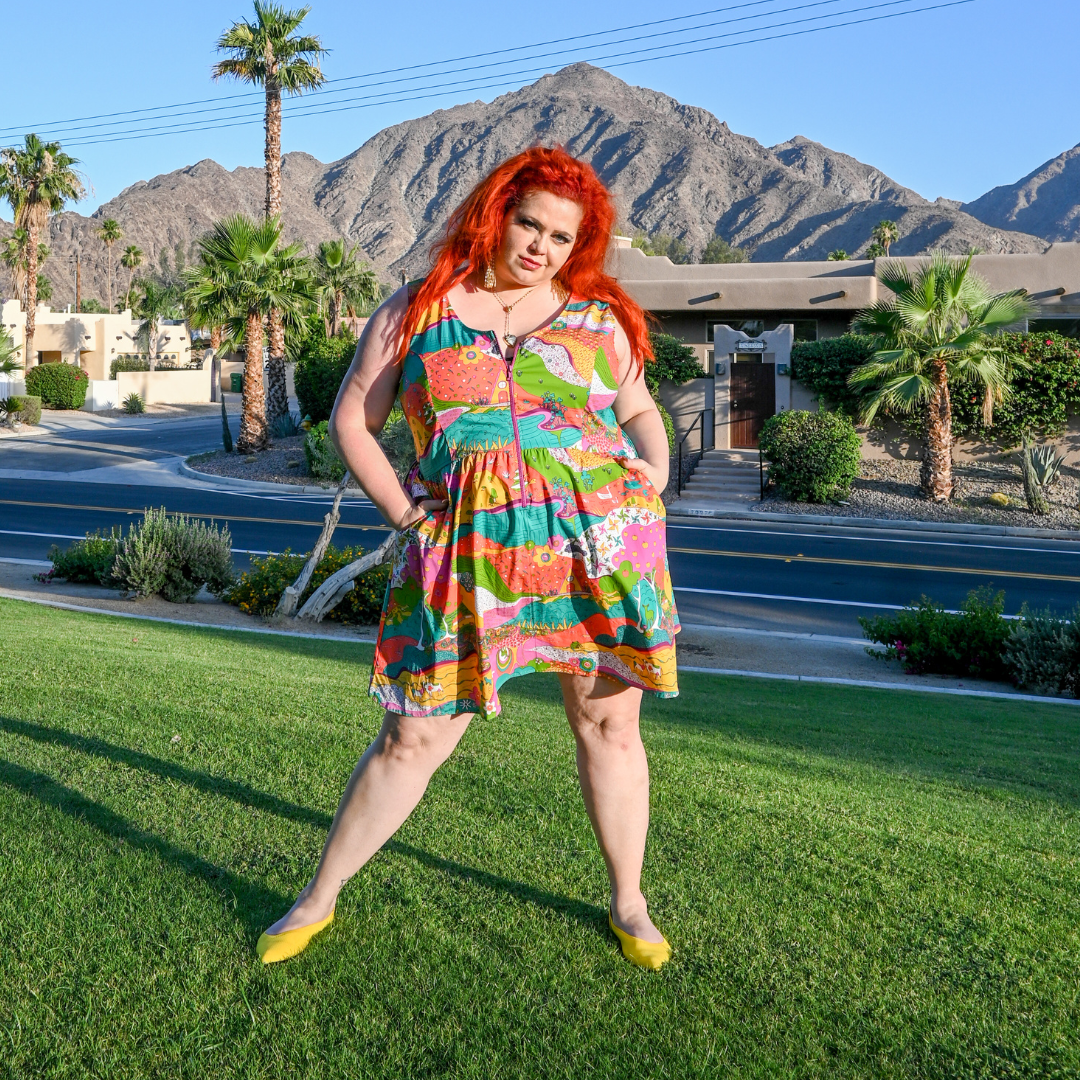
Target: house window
<point x="1066" y="327"/>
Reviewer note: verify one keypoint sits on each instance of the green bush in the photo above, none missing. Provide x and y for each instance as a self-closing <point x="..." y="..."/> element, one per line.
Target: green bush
<point x="397" y="442"/>
<point x="824" y="367"/>
<point x="674" y="361"/>
<point x="90" y="560"/>
<point x="134" y="403"/>
<point x="1041" y="399"/>
<point x="322" y="460"/>
<point x="174" y="556"/>
<point x="320" y="370"/>
<point x="128" y="363"/>
<point x="22" y="408"/>
<point x="928" y="640"/>
<point x="259" y="589"/>
<point x="1043" y="653"/>
<point x="60" y="386"/>
<point x="813" y="457"/>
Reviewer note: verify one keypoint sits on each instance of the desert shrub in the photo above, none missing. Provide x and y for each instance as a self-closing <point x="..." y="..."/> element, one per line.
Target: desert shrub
<point x="824" y="367"/>
<point x="1040" y="400"/>
<point x="90" y="560"/>
<point x="60" y="386"/>
<point x="128" y="363"/>
<point x="319" y="372"/>
<point x="285" y="426"/>
<point x="928" y="640"/>
<point x="813" y="457"/>
<point x="23" y="408"/>
<point x="133" y="403"/>
<point x="259" y="589"/>
<point x="1043" y="652"/>
<point x="323" y="462"/>
<point x="174" y="556"/>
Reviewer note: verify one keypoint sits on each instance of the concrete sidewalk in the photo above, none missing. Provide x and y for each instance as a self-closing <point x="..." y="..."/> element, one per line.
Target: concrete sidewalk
<point x="701" y="649"/>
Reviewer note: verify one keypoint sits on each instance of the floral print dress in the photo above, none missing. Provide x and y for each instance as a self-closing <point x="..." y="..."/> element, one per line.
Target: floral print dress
<point x="551" y="555"/>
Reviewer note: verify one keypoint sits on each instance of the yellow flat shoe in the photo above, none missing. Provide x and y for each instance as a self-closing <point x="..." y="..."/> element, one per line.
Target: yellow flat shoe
<point x="275" y="947"/>
<point x="646" y="954"/>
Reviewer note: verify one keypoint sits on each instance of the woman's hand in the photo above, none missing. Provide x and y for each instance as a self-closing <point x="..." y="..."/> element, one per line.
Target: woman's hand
<point x="657" y="476"/>
<point x="420" y="510"/>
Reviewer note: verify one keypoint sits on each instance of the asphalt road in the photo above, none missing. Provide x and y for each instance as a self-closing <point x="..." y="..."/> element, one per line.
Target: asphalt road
<point x="762" y="575"/>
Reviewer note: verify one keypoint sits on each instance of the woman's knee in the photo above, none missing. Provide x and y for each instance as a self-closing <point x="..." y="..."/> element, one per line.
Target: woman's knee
<point x="601" y="709"/>
<point x="409" y="739"/>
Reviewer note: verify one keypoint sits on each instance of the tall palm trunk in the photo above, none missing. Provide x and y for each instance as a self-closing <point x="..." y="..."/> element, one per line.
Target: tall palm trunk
<point x="277" y="385"/>
<point x="253" y="434"/>
<point x="937" y="478"/>
<point x="335" y="313"/>
<point x="215" y="338"/>
<point x="108" y="259"/>
<point x="29" y="356"/>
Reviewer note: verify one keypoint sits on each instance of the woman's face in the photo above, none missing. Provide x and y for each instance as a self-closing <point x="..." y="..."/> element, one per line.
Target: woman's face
<point x="538" y="236"/>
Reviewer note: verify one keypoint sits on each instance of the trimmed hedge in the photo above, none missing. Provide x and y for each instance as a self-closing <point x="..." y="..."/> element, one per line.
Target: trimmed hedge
<point x="22" y="408"/>
<point x="60" y="386"/>
<point x="813" y="457"/>
<point x="320" y="371"/>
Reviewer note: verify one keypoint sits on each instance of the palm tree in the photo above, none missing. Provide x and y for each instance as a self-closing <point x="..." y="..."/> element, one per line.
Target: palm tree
<point x="342" y="281"/>
<point x="247" y="272"/>
<point x="938" y="330"/>
<point x="14" y="252"/>
<point x="886" y="234"/>
<point x="9" y="354"/>
<point x="131" y="260"/>
<point x="154" y="304"/>
<point x="839" y="255"/>
<point x="203" y="302"/>
<point x="109" y="233"/>
<point x="37" y="180"/>
<point x="268" y="53"/>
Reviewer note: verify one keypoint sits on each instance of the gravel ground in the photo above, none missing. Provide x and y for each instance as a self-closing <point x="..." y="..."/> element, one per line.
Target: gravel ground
<point x="283" y="463"/>
<point x="890" y="489"/>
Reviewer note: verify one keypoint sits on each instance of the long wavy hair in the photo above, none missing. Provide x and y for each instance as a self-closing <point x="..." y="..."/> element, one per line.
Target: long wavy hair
<point x="474" y="235"/>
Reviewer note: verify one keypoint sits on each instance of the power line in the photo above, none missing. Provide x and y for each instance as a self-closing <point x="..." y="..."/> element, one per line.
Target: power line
<point x="510" y="78"/>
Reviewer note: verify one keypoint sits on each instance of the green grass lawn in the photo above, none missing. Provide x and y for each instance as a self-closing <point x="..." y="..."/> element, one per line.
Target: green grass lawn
<point x="856" y="883"/>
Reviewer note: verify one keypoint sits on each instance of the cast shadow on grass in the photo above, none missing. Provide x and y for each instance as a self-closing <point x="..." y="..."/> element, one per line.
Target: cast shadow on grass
<point x="255" y="900"/>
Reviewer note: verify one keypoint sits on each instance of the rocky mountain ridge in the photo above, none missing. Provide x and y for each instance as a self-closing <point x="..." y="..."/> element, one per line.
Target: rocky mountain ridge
<point x="673" y="168"/>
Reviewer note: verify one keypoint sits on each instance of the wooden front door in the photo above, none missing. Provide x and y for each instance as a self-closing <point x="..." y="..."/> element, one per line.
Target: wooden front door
<point x="753" y="401"/>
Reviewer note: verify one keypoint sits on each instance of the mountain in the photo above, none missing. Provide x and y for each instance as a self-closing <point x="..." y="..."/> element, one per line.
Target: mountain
<point x="673" y="168"/>
<point x="1046" y="202"/>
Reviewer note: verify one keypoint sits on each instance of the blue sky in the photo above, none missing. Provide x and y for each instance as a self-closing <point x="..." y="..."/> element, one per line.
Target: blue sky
<point x="949" y="102"/>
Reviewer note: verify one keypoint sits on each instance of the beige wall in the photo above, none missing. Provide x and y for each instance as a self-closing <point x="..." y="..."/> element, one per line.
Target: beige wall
<point x="165" y="387"/>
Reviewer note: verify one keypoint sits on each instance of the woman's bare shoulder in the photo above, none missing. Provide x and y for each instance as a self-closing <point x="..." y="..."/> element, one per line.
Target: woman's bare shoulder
<point x="379" y="343"/>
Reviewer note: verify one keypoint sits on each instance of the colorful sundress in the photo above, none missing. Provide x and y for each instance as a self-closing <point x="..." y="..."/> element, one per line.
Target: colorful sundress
<point x="551" y="555"/>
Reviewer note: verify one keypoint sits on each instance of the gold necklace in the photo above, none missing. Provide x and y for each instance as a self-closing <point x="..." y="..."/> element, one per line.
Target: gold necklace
<point x="509" y="338"/>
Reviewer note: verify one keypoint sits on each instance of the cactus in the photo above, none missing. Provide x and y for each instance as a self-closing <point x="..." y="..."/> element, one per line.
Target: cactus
<point x="1040" y="466"/>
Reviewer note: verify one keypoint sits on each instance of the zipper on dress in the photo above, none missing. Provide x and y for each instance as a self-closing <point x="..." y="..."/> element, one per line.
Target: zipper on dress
<point x="522" y="481"/>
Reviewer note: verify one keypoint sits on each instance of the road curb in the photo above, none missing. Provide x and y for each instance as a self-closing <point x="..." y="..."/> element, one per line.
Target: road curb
<point x="902" y="524"/>
<point x="227" y="483"/>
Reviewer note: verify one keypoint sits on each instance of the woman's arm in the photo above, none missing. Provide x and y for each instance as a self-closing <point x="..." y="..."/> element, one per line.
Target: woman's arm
<point x="639" y="418"/>
<point x="363" y="403"/>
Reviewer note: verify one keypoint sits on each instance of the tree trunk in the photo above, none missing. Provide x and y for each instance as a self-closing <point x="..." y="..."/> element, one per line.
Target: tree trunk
<point x="273" y="142"/>
<point x="151" y="344"/>
<point x="215" y="338"/>
<point x="335" y="314"/>
<point x="29" y="356"/>
<point x="937" y="475"/>
<point x="253" y="434"/>
<point x="277" y="386"/>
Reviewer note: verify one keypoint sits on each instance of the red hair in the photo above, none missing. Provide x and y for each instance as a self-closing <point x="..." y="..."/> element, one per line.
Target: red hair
<point x="474" y="234"/>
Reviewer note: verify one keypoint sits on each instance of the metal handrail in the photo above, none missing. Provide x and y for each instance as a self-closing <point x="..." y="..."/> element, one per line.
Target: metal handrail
<point x="699" y="420"/>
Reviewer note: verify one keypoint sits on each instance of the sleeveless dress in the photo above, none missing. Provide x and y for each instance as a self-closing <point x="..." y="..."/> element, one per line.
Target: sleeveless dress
<point x="551" y="555"/>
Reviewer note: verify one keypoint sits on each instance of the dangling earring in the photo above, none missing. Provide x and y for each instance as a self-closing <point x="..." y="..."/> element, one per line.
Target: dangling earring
<point x="562" y="293"/>
<point x="489" y="275"/>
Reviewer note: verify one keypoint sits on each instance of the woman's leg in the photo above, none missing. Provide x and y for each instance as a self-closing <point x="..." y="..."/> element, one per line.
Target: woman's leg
<point x="614" y="776"/>
<point x="387" y="783"/>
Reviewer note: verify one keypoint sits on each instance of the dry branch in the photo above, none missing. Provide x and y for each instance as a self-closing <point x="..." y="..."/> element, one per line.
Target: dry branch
<point x="336" y="587"/>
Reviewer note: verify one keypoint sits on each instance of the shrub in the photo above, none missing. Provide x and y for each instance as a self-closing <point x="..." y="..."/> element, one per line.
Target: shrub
<point x="90" y="560"/>
<point x="397" y="442"/>
<point x="824" y="367"/>
<point x="259" y="589"/>
<point x="60" y="386"/>
<point x="1041" y="398"/>
<point x="323" y="462"/>
<point x="1043" y="653"/>
<point x="285" y="426"/>
<point x="133" y="403"/>
<point x="320" y="370"/>
<point x="674" y="361"/>
<point x="813" y="457"/>
<point x="23" y="408"/>
<point x="928" y="640"/>
<point x="128" y="363"/>
<point x="174" y="556"/>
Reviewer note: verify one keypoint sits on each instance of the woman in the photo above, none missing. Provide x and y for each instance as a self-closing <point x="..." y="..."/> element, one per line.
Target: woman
<point x="531" y="531"/>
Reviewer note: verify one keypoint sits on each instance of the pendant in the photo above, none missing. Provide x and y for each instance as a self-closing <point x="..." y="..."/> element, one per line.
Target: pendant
<point x="510" y="339"/>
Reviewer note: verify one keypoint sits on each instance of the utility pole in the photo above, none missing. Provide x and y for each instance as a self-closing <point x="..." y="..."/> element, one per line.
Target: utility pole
<point x="78" y="285"/>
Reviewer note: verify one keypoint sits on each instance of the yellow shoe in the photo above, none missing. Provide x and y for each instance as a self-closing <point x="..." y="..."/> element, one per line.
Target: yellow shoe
<point x="275" y="947"/>
<point x="646" y="954"/>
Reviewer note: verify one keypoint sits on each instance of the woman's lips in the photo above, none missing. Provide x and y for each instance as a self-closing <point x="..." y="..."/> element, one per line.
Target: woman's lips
<point x="529" y="264"/>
